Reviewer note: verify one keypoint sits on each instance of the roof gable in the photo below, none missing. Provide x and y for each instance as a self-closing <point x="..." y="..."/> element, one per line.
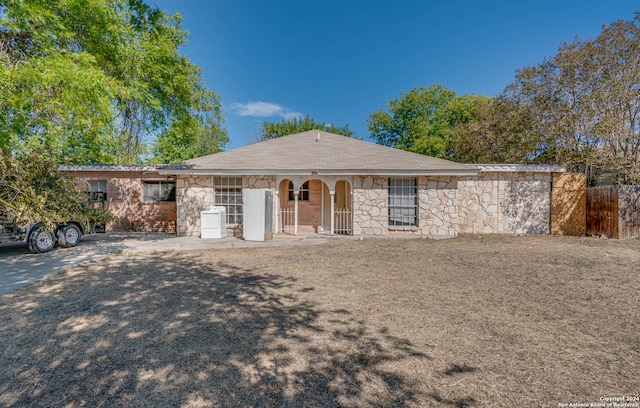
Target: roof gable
<point x="319" y="152"/>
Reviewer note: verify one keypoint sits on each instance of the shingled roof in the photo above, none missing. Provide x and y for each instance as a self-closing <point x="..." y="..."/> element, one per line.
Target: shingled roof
<point x="322" y="153"/>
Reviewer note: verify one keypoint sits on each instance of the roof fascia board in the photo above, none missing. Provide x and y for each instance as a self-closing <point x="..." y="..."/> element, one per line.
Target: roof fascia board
<point x="109" y="168"/>
<point x="253" y="172"/>
<point x="521" y="168"/>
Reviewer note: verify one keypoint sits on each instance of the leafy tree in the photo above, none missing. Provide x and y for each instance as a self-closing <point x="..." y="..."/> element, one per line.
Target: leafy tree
<point x="101" y="81"/>
<point x="188" y="138"/>
<point x="585" y="103"/>
<point x="33" y="190"/>
<point x="423" y="120"/>
<point x="501" y="132"/>
<point x="271" y="130"/>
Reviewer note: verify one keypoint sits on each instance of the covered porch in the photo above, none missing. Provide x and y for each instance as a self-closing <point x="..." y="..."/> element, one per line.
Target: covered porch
<point x="314" y="204"/>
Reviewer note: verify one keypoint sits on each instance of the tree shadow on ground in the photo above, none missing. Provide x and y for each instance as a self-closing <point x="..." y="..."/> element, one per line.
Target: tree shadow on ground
<point x="172" y="331"/>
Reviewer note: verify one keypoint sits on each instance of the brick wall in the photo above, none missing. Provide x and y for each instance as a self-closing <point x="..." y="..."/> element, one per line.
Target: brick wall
<point x="125" y="201"/>
<point x="309" y="212"/>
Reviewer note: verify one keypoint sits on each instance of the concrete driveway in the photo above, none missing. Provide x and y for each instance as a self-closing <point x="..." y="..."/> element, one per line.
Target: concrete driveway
<point x="19" y="267"/>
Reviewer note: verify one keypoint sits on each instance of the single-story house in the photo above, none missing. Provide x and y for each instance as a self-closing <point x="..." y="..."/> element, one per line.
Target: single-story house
<point x="326" y="183"/>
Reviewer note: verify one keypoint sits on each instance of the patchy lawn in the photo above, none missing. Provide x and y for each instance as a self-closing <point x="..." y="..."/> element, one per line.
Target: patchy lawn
<point x="466" y="322"/>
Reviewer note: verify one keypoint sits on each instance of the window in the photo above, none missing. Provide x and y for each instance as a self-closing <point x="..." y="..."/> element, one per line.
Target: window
<point x="97" y="190"/>
<point x="158" y="191"/>
<point x="303" y="195"/>
<point x="403" y="202"/>
<point x="229" y="195"/>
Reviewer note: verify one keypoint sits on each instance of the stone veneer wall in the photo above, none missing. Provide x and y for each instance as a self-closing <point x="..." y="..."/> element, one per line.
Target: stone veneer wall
<point x="197" y="193"/>
<point x="505" y="202"/>
<point x="437" y="199"/>
<point x="193" y="195"/>
<point x="492" y="202"/>
<point x="370" y="195"/>
<point x="266" y="182"/>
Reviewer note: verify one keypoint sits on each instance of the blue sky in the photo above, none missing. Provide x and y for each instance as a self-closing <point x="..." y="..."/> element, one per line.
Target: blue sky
<point x="340" y="61"/>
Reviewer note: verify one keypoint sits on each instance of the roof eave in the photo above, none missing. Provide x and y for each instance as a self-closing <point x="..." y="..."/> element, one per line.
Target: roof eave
<point x="520" y="168"/>
<point x="471" y="171"/>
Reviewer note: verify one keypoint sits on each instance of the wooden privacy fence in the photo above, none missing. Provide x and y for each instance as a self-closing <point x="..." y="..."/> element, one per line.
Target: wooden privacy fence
<point x="628" y="212"/>
<point x="602" y="211"/>
<point x="614" y="211"/>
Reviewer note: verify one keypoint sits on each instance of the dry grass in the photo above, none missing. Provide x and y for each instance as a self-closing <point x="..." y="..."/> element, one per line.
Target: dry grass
<point x="486" y="322"/>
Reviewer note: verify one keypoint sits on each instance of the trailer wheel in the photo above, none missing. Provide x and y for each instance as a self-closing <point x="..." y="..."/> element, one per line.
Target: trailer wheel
<point x="41" y="241"/>
<point x="69" y="235"/>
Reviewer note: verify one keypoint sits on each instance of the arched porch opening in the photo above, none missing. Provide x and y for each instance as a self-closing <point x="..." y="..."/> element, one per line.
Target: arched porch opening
<point x="314" y="205"/>
<point x="341" y="208"/>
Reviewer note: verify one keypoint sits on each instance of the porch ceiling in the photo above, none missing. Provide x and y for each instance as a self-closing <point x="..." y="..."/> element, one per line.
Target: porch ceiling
<point x="322" y="153"/>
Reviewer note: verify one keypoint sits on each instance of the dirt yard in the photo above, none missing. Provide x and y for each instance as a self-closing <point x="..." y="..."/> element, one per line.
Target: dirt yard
<point x="485" y="321"/>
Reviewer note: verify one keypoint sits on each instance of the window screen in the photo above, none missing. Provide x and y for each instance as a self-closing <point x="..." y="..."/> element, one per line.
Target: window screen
<point x="403" y="202"/>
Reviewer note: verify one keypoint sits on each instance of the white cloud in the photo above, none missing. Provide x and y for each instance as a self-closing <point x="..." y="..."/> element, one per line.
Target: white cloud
<point x="261" y="109"/>
<point x="288" y="115"/>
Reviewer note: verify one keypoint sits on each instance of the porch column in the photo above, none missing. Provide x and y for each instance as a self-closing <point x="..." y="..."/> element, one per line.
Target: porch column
<point x="333" y="217"/>
<point x="295" y="228"/>
<point x="277" y="204"/>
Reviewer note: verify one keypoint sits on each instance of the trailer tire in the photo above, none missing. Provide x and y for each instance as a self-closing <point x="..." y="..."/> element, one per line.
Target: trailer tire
<point x="41" y="241"/>
<point x="69" y="235"/>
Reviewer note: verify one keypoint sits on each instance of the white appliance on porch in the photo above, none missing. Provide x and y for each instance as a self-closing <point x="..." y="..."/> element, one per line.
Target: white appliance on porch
<point x="258" y="214"/>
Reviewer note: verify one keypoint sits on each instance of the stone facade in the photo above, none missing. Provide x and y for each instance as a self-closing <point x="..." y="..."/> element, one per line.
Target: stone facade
<point x="437" y="212"/>
<point x="505" y="203"/>
<point x="197" y="193"/>
<point x="268" y="182"/>
<point x="370" y="197"/>
<point x="500" y="199"/>
<point x="495" y="201"/>
<point x="194" y="194"/>
<point x="437" y="207"/>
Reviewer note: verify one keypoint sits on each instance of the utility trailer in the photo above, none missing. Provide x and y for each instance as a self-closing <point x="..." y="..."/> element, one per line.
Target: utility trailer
<point x="40" y="240"/>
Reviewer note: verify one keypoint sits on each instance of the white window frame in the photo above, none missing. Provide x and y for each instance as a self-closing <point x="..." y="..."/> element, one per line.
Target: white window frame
<point x="403" y="202"/>
<point x="228" y="194"/>
<point x="303" y="194"/>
